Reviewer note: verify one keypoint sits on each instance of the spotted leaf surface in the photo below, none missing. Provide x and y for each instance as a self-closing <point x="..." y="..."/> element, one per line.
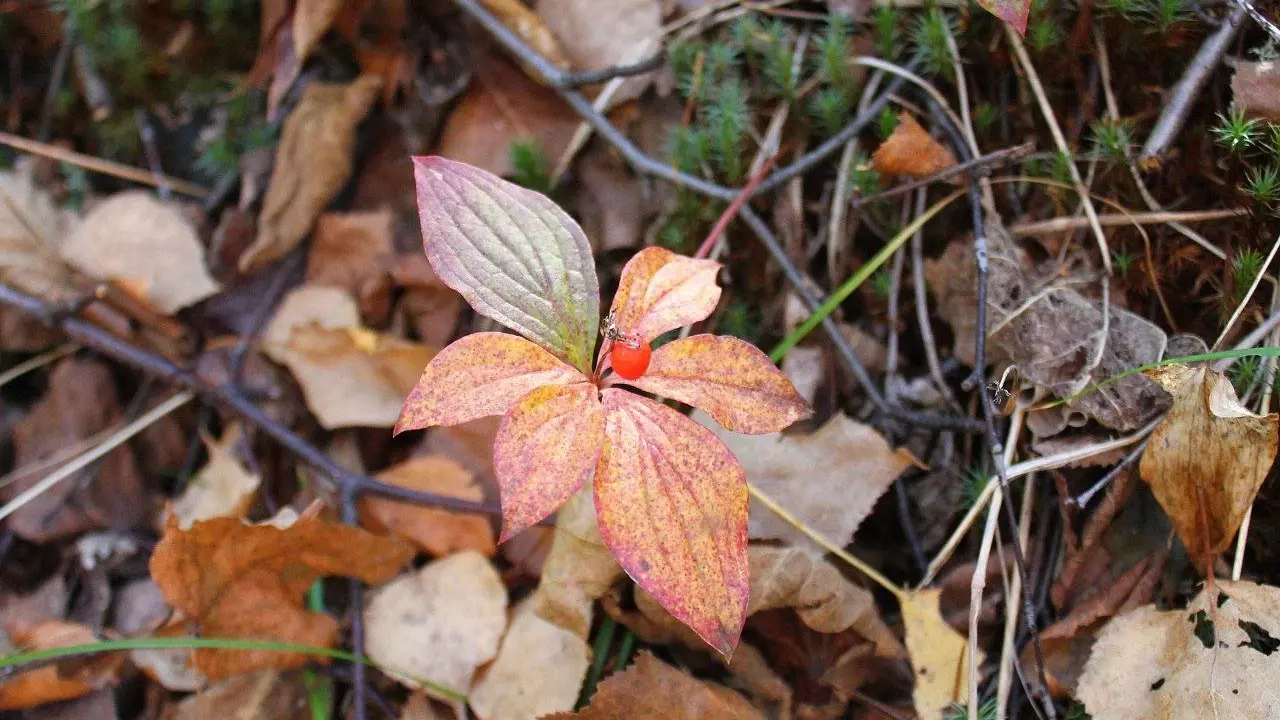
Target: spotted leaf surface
<point x="480" y="375"/>
<point x="512" y="254"/>
<point x="1014" y="12"/>
<point x="547" y="446"/>
<point x="730" y="379"/>
<point x="660" y="291"/>
<point x="672" y="506"/>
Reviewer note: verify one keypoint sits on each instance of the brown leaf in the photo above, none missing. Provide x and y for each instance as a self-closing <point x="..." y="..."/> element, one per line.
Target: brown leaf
<point x="80" y="403"/>
<point x="432" y="307"/>
<point x="248" y="581"/>
<point x="539" y="670"/>
<point x="526" y="23"/>
<point x="224" y="487"/>
<point x="439" y="623"/>
<point x="351" y="376"/>
<point x="313" y="162"/>
<point x="578" y="570"/>
<point x="145" y="244"/>
<point x="500" y="107"/>
<point x="596" y="36"/>
<point x="939" y="655"/>
<point x="1207" y="459"/>
<point x="910" y="150"/>
<point x="352" y="251"/>
<point x="611" y="205"/>
<point x="263" y="695"/>
<point x="60" y="681"/>
<point x="1213" y="659"/>
<point x="652" y="690"/>
<point x="438" y="532"/>
<point x="31" y="230"/>
<point x="311" y="20"/>
<point x="782" y="466"/>
<point x="1255" y="88"/>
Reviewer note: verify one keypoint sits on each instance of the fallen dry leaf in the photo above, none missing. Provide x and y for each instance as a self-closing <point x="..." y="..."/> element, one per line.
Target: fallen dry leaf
<point x="248" y="581"/>
<point x="1255" y="88"/>
<point x="350" y="376"/>
<point x="526" y="23"/>
<point x="80" y="403"/>
<point x="438" y="532"/>
<point x="939" y="655"/>
<point x="857" y="467"/>
<point x="910" y="150"/>
<point x="1207" y="459"/>
<point x="59" y="681"/>
<point x="432" y="307"/>
<point x="611" y="201"/>
<point x="1214" y="659"/>
<point x="352" y="251"/>
<point x="596" y="35"/>
<point x="578" y="570"/>
<point x="31" y="230"/>
<point x="500" y="107"/>
<point x="439" y="623"/>
<point x="224" y="487"/>
<point x="311" y="20"/>
<point x="313" y="162"/>
<point x="539" y="670"/>
<point x="653" y="690"/>
<point x="146" y="245"/>
<point x="263" y="695"/>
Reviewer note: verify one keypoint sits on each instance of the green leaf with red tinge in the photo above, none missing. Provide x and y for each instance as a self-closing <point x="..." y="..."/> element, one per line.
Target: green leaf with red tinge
<point x="660" y="291"/>
<point x="480" y="375"/>
<point x="512" y="253"/>
<point x="732" y="380"/>
<point x="547" y="446"/>
<point x="1014" y="12"/>
<point x="672" y="505"/>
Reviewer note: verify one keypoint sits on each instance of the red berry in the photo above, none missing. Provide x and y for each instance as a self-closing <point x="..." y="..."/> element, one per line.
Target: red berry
<point x="630" y="362"/>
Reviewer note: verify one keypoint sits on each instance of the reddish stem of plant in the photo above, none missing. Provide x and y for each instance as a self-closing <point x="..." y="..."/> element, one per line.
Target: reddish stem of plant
<point x="732" y="211"/>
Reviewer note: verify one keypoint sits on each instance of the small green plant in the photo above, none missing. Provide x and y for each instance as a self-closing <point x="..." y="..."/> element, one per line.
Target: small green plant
<point x="1060" y="167"/>
<point x="1166" y="15"/>
<point x="688" y="148"/>
<point x="887" y="27"/>
<point x="1129" y="10"/>
<point x="1078" y="712"/>
<point x="683" y="56"/>
<point x="882" y="283"/>
<point x="779" y="65"/>
<point x="833" y="49"/>
<point x="1122" y="262"/>
<point x="1112" y="140"/>
<point x="1237" y="132"/>
<point x="727" y="118"/>
<point x="864" y="179"/>
<point x="1245" y="267"/>
<point x="1273" y="142"/>
<point x="740" y="320"/>
<point x="829" y="108"/>
<point x="747" y="34"/>
<point x="1044" y="33"/>
<point x="986" y="711"/>
<point x="974" y="482"/>
<point x="528" y="166"/>
<point x="984" y="118"/>
<point x="886" y="122"/>
<point x="929" y="37"/>
<point x="1244" y="373"/>
<point x="1263" y="185"/>
<point x="721" y="62"/>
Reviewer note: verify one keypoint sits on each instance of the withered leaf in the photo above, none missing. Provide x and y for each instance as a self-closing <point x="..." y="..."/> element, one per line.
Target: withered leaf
<point x="539" y="670"/>
<point x="31" y="230"/>
<point x="352" y="251"/>
<point x="60" y="681"/>
<point x="313" y="162"/>
<point x="1255" y="88"/>
<point x="263" y="695"/>
<point x="596" y="36"/>
<point x="910" y="150"/>
<point x="436" y="531"/>
<point x="248" y="581"/>
<point x="578" y="570"/>
<point x="1207" y="459"/>
<point x="939" y="655"/>
<point x="224" y="487"/>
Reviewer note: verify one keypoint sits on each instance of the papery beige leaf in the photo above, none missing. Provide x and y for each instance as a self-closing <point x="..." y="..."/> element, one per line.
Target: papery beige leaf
<point x="596" y="35"/>
<point x="1207" y="459"/>
<point x="437" y="531"/>
<point x="31" y="230"/>
<point x="539" y="670"/>
<point x="939" y="655"/>
<point x="143" y="243"/>
<point x="224" y="487"/>
<point x="439" y="623"/>
<point x="578" y="570"/>
<point x="832" y="496"/>
<point x="352" y="250"/>
<point x="350" y="376"/>
<point x="313" y="162"/>
<point x="262" y="695"/>
<point x="526" y="23"/>
<point x="1214" y="659"/>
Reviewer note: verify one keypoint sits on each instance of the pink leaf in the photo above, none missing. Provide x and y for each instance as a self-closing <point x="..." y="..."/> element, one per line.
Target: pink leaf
<point x="513" y="254"/>
<point x="732" y="380"/>
<point x="661" y="291"/>
<point x="672" y="507"/>
<point x="547" y="446"/>
<point x="479" y="375"/>
<point x="1014" y="12"/>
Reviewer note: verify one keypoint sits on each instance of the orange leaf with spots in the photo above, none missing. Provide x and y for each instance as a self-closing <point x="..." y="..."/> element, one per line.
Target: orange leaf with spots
<point x="736" y="383"/>
<point x="480" y="375"/>
<point x="672" y="506"/>
<point x="660" y="291"/>
<point x="547" y="446"/>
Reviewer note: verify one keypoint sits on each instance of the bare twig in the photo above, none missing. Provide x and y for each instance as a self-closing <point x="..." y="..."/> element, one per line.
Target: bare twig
<point x="590" y="77"/>
<point x="99" y="165"/>
<point x="1053" y="225"/>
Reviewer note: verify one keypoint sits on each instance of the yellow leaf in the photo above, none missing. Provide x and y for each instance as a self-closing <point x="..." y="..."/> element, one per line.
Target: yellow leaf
<point x="939" y="655"/>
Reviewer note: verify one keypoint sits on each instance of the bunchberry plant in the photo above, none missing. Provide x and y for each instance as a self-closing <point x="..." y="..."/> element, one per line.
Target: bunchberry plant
<point x="671" y="500"/>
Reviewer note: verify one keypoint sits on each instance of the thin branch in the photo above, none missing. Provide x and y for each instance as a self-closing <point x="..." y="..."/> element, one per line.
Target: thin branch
<point x="591" y="77"/>
<point x="1060" y="224"/>
<point x="99" y="165"/>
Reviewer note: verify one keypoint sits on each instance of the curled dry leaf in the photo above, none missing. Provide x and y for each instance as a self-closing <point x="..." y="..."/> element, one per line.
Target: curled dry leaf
<point x="31" y="230"/>
<point x="147" y="246"/>
<point x="910" y="150"/>
<point x="1214" y="659"/>
<point x="248" y="581"/>
<point x="939" y="655"/>
<point x="59" y="681"/>
<point x="352" y="251"/>
<point x="313" y="162"/>
<point x="660" y="471"/>
<point x="653" y="690"/>
<point x="1207" y="459"/>
<point x="440" y="623"/>
<point x="350" y="375"/>
<point x="731" y="380"/>
<point x="224" y="487"/>
<point x="596" y="36"/>
<point x="857" y="467"/>
<point x="438" y="532"/>
<point x="539" y="670"/>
